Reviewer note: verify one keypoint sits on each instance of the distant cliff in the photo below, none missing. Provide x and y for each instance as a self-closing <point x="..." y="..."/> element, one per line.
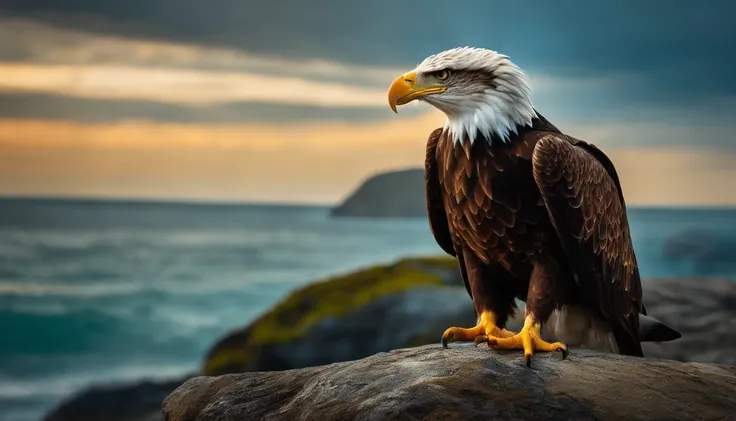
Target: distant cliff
<point x="395" y="194"/>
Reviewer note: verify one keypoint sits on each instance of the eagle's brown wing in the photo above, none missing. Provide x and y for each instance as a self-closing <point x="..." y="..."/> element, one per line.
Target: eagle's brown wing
<point x="433" y="194"/>
<point x="436" y="206"/>
<point x="583" y="196"/>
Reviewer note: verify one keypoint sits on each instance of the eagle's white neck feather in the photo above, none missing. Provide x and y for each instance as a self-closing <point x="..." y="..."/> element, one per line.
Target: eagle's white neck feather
<point x="491" y="117"/>
<point x="476" y="109"/>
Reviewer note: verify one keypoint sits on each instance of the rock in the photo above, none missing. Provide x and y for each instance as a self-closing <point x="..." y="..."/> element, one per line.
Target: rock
<point x="327" y="322"/>
<point x="703" y="310"/>
<point x="465" y="382"/>
<point x="396" y="194"/>
<point x="131" y="402"/>
<point x="348" y="317"/>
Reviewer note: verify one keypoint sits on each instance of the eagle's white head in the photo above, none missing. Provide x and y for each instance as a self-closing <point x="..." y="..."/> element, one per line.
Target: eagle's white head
<point x="480" y="91"/>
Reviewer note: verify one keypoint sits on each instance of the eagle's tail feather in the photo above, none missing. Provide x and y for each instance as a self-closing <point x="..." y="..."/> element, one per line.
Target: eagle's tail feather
<point x="653" y="330"/>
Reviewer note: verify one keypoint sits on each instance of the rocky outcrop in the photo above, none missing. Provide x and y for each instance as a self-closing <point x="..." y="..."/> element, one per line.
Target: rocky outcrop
<point x="465" y="382"/>
<point x="395" y="194"/>
<point x="413" y="301"/>
<point x="703" y="310"/>
<point x="132" y="402"/>
<point x="410" y="302"/>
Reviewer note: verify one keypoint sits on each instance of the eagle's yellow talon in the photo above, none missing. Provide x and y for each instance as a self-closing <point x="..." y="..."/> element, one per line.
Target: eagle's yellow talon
<point x="484" y="331"/>
<point x="529" y="340"/>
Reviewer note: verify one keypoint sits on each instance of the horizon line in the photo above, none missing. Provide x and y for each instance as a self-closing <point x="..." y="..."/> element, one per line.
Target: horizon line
<point x="160" y="201"/>
<point x="256" y="202"/>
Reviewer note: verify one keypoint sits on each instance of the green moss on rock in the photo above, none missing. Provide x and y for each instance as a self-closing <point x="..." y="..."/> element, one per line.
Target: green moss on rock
<point x="300" y="311"/>
<point x="439" y="262"/>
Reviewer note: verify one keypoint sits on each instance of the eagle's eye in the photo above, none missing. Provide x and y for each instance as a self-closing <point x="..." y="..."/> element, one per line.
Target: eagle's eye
<point x="442" y="74"/>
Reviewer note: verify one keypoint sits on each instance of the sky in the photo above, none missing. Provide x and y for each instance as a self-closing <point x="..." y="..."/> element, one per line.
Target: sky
<point x="285" y="101"/>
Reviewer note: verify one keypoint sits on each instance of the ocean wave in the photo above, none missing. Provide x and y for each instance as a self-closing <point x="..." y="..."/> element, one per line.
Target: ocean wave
<point x="28" y="334"/>
<point x="55" y="298"/>
<point x="61" y="241"/>
<point x="59" y="385"/>
<point x="40" y="308"/>
<point x="68" y="290"/>
<point x="151" y="323"/>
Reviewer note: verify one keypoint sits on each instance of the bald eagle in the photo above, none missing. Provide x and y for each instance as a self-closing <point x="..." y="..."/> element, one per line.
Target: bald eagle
<point x="529" y="212"/>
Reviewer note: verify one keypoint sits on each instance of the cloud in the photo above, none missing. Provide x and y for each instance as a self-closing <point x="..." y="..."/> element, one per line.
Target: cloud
<point x="40" y="43"/>
<point x="313" y="136"/>
<point x="202" y="88"/>
<point x="676" y="176"/>
<point x="192" y="87"/>
<point x="316" y="162"/>
<point x="35" y="106"/>
<point x="652" y="134"/>
<point x="622" y="61"/>
<point x="103" y="78"/>
<point x="673" y="47"/>
<point x="304" y="162"/>
<point x="91" y="77"/>
<point x="184" y="96"/>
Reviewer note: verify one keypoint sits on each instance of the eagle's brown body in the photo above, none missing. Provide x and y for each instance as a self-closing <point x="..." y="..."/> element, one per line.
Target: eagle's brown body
<point x="539" y="217"/>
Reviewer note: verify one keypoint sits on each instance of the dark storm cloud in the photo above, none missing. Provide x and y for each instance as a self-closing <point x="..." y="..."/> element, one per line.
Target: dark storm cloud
<point x="671" y="51"/>
<point x="93" y="111"/>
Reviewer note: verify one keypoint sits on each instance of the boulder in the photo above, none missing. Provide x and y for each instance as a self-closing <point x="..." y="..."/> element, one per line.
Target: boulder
<point x="702" y="309"/>
<point x="139" y="401"/>
<point x="408" y="303"/>
<point x="414" y="300"/>
<point x="465" y="382"/>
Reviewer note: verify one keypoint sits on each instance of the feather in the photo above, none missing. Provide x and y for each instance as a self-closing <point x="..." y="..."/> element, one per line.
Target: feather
<point x="595" y="233"/>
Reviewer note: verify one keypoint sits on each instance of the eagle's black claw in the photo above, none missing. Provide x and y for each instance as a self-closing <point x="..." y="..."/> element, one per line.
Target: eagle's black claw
<point x="565" y="352"/>
<point x="482" y="339"/>
<point x="447" y="337"/>
<point x="528" y="360"/>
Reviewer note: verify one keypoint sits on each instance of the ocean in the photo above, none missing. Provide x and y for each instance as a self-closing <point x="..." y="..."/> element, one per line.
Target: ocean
<point x="101" y="291"/>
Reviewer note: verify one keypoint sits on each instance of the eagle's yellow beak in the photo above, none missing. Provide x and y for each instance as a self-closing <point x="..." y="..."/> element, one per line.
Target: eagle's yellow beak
<point x="405" y="89"/>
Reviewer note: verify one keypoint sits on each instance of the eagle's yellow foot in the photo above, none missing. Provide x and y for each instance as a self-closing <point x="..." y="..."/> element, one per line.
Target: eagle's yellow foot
<point x="529" y="340"/>
<point x="482" y="332"/>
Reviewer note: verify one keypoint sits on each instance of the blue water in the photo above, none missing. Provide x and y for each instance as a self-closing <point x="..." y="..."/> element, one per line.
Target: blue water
<point x="102" y="291"/>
